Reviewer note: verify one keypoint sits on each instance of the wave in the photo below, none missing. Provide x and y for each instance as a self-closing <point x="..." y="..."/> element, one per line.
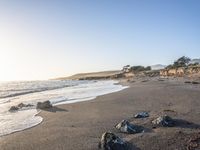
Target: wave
<point x="29" y="92"/>
<point x="12" y="89"/>
<point x="69" y="93"/>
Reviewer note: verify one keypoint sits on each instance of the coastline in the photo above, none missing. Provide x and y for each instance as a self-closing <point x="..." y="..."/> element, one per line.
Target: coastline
<point x="80" y="125"/>
<point x="26" y="117"/>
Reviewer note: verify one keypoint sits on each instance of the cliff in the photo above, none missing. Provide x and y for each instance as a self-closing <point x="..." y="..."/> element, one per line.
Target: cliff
<point x="181" y="71"/>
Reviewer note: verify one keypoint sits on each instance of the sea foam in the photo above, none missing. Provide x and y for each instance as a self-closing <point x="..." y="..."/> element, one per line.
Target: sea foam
<point x="58" y="92"/>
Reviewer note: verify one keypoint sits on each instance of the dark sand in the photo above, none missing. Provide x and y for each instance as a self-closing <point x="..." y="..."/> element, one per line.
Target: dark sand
<point x="79" y="126"/>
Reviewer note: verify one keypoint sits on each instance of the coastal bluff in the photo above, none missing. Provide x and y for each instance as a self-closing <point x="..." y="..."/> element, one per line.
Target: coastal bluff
<point x="93" y="75"/>
<point x="181" y="71"/>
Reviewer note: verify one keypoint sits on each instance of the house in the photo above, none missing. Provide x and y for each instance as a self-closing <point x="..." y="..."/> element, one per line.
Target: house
<point x="126" y="69"/>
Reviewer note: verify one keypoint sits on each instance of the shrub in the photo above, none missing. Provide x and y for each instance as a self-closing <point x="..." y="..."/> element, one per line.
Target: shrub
<point x="181" y="62"/>
<point x="140" y="68"/>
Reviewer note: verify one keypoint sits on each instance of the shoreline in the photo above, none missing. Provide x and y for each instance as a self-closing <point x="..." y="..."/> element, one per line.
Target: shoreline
<point x="90" y="97"/>
<point x="80" y="125"/>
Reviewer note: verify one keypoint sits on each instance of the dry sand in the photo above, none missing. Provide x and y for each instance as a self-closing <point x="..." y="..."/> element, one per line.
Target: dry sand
<point x="79" y="126"/>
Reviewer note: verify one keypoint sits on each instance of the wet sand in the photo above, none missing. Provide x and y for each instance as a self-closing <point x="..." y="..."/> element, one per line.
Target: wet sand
<point x="79" y="126"/>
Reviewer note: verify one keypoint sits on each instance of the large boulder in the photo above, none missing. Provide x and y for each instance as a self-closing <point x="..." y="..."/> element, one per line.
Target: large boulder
<point x="164" y="121"/>
<point x="109" y="141"/>
<point x="44" y="105"/>
<point x="126" y="127"/>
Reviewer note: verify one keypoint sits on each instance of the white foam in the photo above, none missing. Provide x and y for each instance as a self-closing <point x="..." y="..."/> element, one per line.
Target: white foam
<point x="16" y="121"/>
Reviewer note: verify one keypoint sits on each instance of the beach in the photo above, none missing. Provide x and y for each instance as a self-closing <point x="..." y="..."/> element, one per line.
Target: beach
<point x="79" y="126"/>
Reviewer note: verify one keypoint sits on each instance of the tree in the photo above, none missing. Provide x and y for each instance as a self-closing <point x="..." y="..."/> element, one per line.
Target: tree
<point x="182" y="62"/>
<point x="140" y="68"/>
<point x="169" y="67"/>
<point x="148" y="68"/>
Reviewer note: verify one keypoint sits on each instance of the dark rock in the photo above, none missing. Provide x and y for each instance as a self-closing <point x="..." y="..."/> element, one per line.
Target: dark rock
<point x="126" y="127"/>
<point x="21" y="105"/>
<point x="13" y="108"/>
<point x="44" y="105"/>
<point x="188" y="82"/>
<point x="110" y="141"/>
<point x="29" y="105"/>
<point x="164" y="121"/>
<point x="142" y="115"/>
<point x="195" y="82"/>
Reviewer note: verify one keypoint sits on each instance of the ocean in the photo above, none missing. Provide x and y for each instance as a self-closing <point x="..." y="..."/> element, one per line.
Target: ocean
<point x="56" y="91"/>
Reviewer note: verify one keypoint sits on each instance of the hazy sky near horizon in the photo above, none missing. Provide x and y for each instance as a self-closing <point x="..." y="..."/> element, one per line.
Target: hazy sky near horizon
<point x="42" y="39"/>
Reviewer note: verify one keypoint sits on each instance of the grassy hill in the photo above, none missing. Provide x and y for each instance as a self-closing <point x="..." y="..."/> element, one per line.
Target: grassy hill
<point x="92" y="75"/>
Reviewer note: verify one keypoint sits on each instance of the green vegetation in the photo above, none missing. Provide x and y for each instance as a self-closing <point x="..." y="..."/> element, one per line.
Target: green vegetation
<point x="140" y="68"/>
<point x="181" y="62"/>
<point x="194" y="65"/>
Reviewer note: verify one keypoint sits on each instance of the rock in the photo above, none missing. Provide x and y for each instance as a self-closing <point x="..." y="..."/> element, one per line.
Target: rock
<point x="29" y="105"/>
<point x="44" y="105"/>
<point x="21" y="105"/>
<point x="126" y="127"/>
<point x="195" y="82"/>
<point x="142" y="115"/>
<point x="164" y="121"/>
<point x="188" y="82"/>
<point x="110" y="141"/>
<point x="13" y="108"/>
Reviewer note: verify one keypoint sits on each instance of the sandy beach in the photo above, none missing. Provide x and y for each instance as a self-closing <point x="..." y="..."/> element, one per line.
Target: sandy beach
<point x="79" y="126"/>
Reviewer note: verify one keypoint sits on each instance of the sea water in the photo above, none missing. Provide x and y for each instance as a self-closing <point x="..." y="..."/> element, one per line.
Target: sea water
<point x="56" y="91"/>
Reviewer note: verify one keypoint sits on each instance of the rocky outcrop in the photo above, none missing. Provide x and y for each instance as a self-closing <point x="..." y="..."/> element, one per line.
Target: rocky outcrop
<point x="19" y="106"/>
<point x="109" y="141"/>
<point x="181" y="71"/>
<point x="172" y="72"/>
<point x="193" y="70"/>
<point x="44" y="105"/>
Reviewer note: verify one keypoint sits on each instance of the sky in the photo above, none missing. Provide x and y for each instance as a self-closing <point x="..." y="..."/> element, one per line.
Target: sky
<point x="42" y="39"/>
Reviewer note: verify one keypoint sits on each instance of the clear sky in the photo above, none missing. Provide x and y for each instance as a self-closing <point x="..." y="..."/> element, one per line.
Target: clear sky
<point x="41" y="39"/>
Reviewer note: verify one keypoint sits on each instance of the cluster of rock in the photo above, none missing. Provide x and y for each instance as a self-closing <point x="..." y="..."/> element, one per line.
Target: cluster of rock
<point x="40" y="105"/>
<point x="19" y="106"/>
<point x="110" y="141"/>
<point x="180" y="71"/>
